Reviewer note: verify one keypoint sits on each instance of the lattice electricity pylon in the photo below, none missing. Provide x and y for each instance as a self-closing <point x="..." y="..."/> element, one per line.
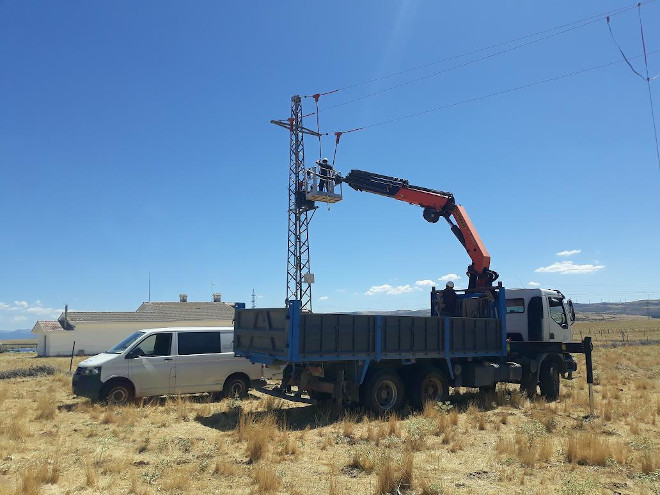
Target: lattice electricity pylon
<point x="299" y="277"/>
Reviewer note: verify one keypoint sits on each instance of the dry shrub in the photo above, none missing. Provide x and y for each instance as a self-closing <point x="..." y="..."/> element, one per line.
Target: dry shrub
<point x="348" y="426"/>
<point x="387" y="480"/>
<point x="178" y="479"/>
<point x="17" y="430"/>
<point x="457" y="443"/>
<point x="528" y="450"/>
<point x="224" y="467"/>
<point x="108" y="417"/>
<point x="46" y="407"/>
<point x="291" y="446"/>
<point x="258" y="433"/>
<point x="504" y="418"/>
<point x="393" y="429"/>
<point x="634" y="428"/>
<point x="648" y="462"/>
<point x="91" y="477"/>
<point x="608" y="410"/>
<point x="546" y="418"/>
<point x="587" y="448"/>
<point x="453" y="417"/>
<point x="327" y="442"/>
<point x="266" y="479"/>
<point x="4" y="393"/>
<point x="364" y="460"/>
<point x="518" y="399"/>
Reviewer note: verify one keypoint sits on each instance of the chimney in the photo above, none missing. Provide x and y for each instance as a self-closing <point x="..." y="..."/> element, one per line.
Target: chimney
<point x="183" y="297"/>
<point x="217" y="297"/>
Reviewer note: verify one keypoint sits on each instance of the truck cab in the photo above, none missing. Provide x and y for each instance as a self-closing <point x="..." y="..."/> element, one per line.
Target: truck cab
<point x="543" y="315"/>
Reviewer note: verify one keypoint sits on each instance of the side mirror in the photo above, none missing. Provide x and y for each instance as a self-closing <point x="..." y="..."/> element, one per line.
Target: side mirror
<point x="133" y="354"/>
<point x="571" y="310"/>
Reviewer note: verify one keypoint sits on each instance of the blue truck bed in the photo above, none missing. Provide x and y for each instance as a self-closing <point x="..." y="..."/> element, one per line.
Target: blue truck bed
<point x="287" y="335"/>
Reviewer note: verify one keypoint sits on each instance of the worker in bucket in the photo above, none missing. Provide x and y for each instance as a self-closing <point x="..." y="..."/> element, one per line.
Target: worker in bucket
<point x="448" y="300"/>
<point x="325" y="172"/>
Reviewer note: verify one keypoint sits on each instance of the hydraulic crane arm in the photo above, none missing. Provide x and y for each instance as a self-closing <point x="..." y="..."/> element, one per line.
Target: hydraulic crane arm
<point x="436" y="204"/>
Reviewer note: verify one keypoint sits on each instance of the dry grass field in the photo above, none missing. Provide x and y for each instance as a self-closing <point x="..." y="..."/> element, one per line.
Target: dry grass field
<point x="52" y="442"/>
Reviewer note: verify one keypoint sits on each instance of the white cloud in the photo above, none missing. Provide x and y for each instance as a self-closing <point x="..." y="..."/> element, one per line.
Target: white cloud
<point x="566" y="267"/>
<point x="449" y="276"/>
<point x="569" y="252"/>
<point x="22" y="310"/>
<point x="341" y="291"/>
<point x="534" y="284"/>
<point x="425" y="283"/>
<point x="323" y="298"/>
<point x="389" y="290"/>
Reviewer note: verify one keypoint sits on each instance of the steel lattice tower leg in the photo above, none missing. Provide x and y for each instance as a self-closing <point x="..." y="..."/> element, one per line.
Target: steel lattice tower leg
<point x="298" y="264"/>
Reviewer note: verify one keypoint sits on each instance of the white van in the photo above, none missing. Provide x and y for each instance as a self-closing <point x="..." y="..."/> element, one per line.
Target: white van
<point x="164" y="361"/>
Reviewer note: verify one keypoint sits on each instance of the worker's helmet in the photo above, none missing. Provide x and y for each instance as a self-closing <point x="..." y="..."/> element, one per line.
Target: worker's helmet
<point x="450" y="284"/>
<point x="325" y="160"/>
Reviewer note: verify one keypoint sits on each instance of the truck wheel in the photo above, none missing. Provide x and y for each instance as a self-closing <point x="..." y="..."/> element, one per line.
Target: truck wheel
<point x="383" y="391"/>
<point x="118" y="394"/>
<point x="549" y="381"/>
<point x="429" y="384"/>
<point x="236" y="387"/>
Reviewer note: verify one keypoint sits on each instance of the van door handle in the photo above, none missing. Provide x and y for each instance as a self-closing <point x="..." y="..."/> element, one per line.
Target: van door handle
<point x="167" y="359"/>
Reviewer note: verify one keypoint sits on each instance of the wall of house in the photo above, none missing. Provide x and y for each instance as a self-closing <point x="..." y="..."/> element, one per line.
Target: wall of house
<point x="95" y="337"/>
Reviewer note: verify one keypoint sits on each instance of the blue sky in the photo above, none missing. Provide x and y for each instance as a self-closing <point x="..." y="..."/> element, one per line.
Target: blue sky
<point x="135" y="137"/>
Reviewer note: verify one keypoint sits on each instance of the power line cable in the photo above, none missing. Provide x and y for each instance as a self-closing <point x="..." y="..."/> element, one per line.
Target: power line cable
<point x="569" y="27"/>
<point x="490" y="95"/>
<point x="648" y="85"/>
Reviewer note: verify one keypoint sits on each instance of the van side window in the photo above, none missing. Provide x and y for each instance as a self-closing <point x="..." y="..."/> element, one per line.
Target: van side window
<point x="158" y="344"/>
<point x="515" y="305"/>
<point x="199" y="343"/>
<point x="557" y="311"/>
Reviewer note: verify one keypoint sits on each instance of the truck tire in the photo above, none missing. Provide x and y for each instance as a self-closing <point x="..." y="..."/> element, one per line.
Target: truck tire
<point x="549" y="382"/>
<point x="382" y="391"/>
<point x="428" y="384"/>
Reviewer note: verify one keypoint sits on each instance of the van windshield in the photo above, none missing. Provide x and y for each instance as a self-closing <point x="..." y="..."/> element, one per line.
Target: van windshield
<point x="124" y="344"/>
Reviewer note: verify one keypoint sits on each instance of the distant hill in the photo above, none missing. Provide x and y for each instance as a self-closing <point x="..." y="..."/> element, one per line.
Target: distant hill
<point x="583" y="311"/>
<point x="650" y="307"/>
<point x="17" y="335"/>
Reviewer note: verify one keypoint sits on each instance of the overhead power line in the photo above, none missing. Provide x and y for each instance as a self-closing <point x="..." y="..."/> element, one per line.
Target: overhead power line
<point x="564" y="28"/>
<point x="490" y="95"/>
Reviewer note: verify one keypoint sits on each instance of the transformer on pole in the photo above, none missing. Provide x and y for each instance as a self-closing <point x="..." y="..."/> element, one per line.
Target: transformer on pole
<point x="299" y="278"/>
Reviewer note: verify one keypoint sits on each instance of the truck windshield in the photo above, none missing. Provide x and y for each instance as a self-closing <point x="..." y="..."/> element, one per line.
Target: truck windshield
<point x="123" y="345"/>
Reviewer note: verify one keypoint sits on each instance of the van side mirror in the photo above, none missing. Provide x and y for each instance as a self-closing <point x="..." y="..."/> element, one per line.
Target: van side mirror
<point x="135" y="352"/>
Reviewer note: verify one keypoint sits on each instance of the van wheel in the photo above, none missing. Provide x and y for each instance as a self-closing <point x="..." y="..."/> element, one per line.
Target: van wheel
<point x="383" y="391"/>
<point x="118" y="394"/>
<point x="236" y="387"/>
<point x="549" y="381"/>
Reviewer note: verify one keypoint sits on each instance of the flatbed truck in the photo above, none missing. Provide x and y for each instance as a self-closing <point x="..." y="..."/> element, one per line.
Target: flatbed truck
<point x="384" y="361"/>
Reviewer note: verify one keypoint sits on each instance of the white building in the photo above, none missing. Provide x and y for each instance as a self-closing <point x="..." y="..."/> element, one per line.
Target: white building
<point x="94" y="332"/>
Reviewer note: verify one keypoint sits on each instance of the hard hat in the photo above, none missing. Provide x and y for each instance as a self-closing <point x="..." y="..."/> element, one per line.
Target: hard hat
<point x="325" y="160"/>
<point x="450" y="284"/>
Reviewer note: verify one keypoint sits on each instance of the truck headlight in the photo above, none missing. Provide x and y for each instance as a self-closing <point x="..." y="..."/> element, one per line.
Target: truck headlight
<point x="96" y="370"/>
